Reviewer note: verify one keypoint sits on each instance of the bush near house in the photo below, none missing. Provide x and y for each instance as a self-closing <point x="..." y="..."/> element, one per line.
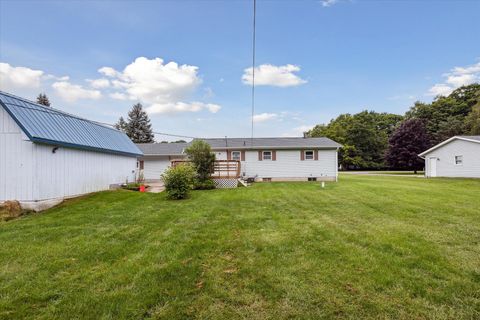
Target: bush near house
<point x="203" y="159"/>
<point x="178" y="181"/>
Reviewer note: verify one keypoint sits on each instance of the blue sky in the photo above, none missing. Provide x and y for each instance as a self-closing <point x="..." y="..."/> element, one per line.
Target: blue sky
<point x="186" y="61"/>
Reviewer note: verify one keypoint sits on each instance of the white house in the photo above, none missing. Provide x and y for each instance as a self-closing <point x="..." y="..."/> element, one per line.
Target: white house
<point x="458" y="156"/>
<point x="265" y="159"/>
<point x="157" y="157"/>
<point x="49" y="154"/>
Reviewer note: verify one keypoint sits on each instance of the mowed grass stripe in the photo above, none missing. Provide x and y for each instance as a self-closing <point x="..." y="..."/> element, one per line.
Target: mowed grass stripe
<point x="366" y="247"/>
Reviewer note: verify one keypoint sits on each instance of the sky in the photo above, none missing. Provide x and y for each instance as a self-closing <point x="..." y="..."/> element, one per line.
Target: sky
<point x="190" y="62"/>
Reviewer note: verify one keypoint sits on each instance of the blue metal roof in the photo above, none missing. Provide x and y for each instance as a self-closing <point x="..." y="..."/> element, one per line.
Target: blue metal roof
<point x="51" y="126"/>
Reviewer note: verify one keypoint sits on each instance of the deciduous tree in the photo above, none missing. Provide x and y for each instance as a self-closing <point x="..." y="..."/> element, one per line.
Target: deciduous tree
<point x="406" y="143"/>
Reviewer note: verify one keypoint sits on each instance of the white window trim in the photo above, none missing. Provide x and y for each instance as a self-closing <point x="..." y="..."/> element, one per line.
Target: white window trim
<point x="239" y="155"/>
<point x="455" y="160"/>
<point x="305" y="155"/>
<point x="263" y="155"/>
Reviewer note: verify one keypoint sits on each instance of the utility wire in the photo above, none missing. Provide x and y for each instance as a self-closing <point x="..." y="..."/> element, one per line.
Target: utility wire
<point x="253" y="64"/>
<point x="109" y="125"/>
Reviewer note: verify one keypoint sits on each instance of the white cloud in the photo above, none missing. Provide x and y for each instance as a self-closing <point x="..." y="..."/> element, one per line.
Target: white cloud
<point x="19" y="77"/>
<point x="461" y="80"/>
<point x="270" y="75"/>
<point x="118" y="96"/>
<point x="457" y="77"/>
<point x="298" y="131"/>
<point x="99" y="83"/>
<point x="178" y="107"/>
<point x="109" y="72"/>
<point x="440" y="89"/>
<point x="73" y="92"/>
<point x="262" y="117"/>
<point x="328" y="3"/>
<point x="164" y="86"/>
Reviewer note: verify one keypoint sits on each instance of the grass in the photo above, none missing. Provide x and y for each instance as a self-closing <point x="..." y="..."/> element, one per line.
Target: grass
<point x="367" y="247"/>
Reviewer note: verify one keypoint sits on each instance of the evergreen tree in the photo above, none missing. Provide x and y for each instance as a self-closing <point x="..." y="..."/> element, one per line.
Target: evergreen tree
<point x="138" y="128"/>
<point x="121" y="125"/>
<point x="406" y="143"/>
<point x="43" y="100"/>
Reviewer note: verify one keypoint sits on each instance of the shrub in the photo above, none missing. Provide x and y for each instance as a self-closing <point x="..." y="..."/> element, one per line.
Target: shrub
<point x="10" y="210"/>
<point x="178" y="181"/>
<point x="132" y="186"/>
<point x="204" y="185"/>
<point x="200" y="153"/>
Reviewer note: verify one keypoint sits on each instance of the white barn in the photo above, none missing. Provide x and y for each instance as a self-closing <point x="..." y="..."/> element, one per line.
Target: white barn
<point x="458" y="156"/>
<point x="265" y="159"/>
<point x="48" y="154"/>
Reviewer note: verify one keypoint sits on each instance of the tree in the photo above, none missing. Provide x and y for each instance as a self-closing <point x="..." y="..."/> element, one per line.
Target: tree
<point x="138" y="128"/>
<point x="202" y="157"/>
<point x="121" y="125"/>
<point x="406" y="143"/>
<point x="43" y="100"/>
<point x="472" y="121"/>
<point x="447" y="116"/>
<point x="364" y="137"/>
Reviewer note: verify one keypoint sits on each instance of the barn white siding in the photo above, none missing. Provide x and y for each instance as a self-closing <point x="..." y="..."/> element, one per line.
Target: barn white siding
<point x="288" y="165"/>
<point x="31" y="172"/>
<point x="445" y="159"/>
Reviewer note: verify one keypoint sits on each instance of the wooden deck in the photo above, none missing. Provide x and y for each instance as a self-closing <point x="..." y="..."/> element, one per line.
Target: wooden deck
<point x="222" y="169"/>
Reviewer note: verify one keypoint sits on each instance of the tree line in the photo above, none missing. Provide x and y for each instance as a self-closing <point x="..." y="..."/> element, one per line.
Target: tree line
<point x="373" y="140"/>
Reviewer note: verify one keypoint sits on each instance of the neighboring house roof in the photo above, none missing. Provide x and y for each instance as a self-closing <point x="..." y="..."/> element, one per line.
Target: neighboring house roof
<point x="475" y="139"/>
<point x="51" y="126"/>
<point x="277" y="143"/>
<point x="162" y="149"/>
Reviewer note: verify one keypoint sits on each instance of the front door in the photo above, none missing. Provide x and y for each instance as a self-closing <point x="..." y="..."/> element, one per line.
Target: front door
<point x="432" y="167"/>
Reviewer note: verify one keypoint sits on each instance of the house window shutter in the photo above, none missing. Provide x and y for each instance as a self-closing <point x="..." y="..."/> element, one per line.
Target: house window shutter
<point x="229" y="155"/>
<point x="242" y="155"/>
<point x="315" y="154"/>
<point x="274" y="155"/>
<point x="302" y="155"/>
<point x="260" y="155"/>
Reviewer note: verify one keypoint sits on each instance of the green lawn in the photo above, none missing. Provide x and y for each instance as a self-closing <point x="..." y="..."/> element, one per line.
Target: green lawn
<point x="367" y="247"/>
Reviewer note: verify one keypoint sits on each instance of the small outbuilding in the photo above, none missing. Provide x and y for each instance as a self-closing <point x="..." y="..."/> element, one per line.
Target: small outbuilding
<point x="47" y="154"/>
<point x="458" y="156"/>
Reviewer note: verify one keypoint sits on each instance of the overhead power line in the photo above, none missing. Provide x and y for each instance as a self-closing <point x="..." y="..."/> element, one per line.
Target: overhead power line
<point x="65" y="114"/>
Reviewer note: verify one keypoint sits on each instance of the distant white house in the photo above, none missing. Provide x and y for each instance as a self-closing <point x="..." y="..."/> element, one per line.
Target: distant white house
<point x="48" y="154"/>
<point x="265" y="159"/>
<point x="458" y="156"/>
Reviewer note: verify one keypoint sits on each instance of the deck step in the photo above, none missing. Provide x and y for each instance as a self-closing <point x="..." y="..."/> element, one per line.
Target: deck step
<point x="244" y="183"/>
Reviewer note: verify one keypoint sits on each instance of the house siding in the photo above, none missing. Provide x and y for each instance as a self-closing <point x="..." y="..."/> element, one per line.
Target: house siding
<point x="289" y="166"/>
<point x="154" y="166"/>
<point x="32" y="172"/>
<point x="446" y="166"/>
<point x="286" y="166"/>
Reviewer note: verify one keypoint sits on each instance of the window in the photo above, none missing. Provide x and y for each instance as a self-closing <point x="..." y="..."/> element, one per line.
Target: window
<point x="236" y="155"/>
<point x="309" y="155"/>
<point x="458" y="160"/>
<point x="312" y="179"/>
<point x="267" y="155"/>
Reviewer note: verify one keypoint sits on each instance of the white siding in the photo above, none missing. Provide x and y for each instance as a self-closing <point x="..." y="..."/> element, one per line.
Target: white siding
<point x="289" y="165"/>
<point x="31" y="171"/>
<point x="446" y="166"/>
<point x="153" y="167"/>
